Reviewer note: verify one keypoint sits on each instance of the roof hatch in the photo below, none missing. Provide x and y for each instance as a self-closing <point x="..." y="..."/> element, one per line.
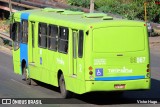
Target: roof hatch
<point x="107" y="18"/>
<point x="72" y="13"/>
<point x="97" y="15"/>
<point x="94" y="15"/>
<point x="53" y="10"/>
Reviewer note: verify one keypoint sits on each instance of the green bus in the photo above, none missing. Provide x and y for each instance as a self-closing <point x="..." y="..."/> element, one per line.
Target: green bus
<point x="80" y="52"/>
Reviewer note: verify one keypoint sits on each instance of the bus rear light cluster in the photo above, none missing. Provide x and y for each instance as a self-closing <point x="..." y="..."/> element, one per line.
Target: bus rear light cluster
<point x="90" y="72"/>
<point x="148" y="75"/>
<point x="91" y="77"/>
<point x="90" y="68"/>
<point x="148" y="68"/>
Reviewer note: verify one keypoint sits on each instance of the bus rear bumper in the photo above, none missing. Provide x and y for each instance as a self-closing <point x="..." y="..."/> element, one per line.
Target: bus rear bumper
<point x="110" y="85"/>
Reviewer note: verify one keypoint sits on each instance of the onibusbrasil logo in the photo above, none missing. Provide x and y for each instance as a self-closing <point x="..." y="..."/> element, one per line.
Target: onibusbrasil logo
<point x="21" y="101"/>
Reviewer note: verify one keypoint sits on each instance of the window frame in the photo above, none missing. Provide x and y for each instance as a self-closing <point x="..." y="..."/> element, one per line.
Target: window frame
<point x="40" y="34"/>
<point x="80" y="49"/>
<point x="63" y="39"/>
<point x="24" y="38"/>
<point x="50" y="37"/>
<point x="16" y="35"/>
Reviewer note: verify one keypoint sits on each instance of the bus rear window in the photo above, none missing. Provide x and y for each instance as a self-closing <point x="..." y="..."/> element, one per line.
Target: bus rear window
<point x="118" y="39"/>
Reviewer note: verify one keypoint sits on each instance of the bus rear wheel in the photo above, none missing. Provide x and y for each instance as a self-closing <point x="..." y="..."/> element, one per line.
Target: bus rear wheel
<point x="65" y="93"/>
<point x="26" y="76"/>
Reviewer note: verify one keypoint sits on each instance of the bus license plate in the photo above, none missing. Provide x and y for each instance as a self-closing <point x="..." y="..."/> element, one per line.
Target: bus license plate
<point x="119" y="86"/>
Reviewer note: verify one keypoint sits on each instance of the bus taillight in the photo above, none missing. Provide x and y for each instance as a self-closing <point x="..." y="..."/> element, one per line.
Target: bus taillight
<point x="90" y="68"/>
<point x="148" y="68"/>
<point x="90" y="72"/>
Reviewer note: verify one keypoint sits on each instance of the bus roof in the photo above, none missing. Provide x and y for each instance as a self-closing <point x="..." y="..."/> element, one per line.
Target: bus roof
<point x="72" y="18"/>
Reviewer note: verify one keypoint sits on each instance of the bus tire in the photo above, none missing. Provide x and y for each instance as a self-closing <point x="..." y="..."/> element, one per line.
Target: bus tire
<point x="26" y="75"/>
<point x="65" y="93"/>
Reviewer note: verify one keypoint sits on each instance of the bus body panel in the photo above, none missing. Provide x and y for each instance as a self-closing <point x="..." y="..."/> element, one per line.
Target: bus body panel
<point x="16" y="60"/>
<point x="24" y="46"/>
<point x="141" y="84"/>
<point x="34" y="69"/>
<point x="119" y="54"/>
<point x="16" y="53"/>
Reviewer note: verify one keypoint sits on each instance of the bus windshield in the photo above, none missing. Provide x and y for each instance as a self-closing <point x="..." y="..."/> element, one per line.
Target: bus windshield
<point x="118" y="39"/>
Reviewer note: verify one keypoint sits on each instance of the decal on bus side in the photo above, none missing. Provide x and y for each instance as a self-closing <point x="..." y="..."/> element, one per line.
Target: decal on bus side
<point x="117" y="70"/>
<point x="80" y="67"/>
<point x="60" y="61"/>
<point x="141" y="59"/>
<point x="40" y="52"/>
<point x="99" y="61"/>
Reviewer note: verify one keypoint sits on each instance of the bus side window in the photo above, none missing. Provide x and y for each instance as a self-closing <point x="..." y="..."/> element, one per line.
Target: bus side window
<point x="52" y="37"/>
<point x="24" y="31"/>
<point x="63" y="40"/>
<point x="15" y="34"/>
<point x="80" y="44"/>
<point x="42" y="36"/>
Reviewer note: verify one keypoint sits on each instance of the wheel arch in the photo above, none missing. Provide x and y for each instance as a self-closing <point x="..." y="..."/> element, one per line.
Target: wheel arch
<point x="59" y="73"/>
<point x="23" y="64"/>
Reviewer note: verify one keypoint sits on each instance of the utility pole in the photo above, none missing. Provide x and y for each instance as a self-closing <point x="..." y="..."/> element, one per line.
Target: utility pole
<point x="10" y="7"/>
<point x="145" y="11"/>
<point x="92" y="6"/>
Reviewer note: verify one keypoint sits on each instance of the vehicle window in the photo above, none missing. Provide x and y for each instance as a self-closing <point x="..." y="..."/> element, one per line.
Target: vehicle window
<point x="52" y="37"/>
<point x="16" y="32"/>
<point x="63" y="40"/>
<point x="24" y="31"/>
<point x="80" y="44"/>
<point x="42" y="37"/>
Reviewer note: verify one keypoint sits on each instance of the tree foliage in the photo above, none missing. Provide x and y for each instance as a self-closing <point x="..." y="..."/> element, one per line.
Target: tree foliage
<point x="130" y="9"/>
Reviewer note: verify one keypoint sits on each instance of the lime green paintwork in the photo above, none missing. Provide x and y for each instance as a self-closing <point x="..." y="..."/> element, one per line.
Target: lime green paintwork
<point x="106" y="39"/>
<point x="109" y="85"/>
<point x="16" y="54"/>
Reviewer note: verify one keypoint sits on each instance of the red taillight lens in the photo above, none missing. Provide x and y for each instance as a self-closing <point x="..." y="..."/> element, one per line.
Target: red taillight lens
<point x="90" y="68"/>
<point x="148" y="70"/>
<point x="90" y="72"/>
